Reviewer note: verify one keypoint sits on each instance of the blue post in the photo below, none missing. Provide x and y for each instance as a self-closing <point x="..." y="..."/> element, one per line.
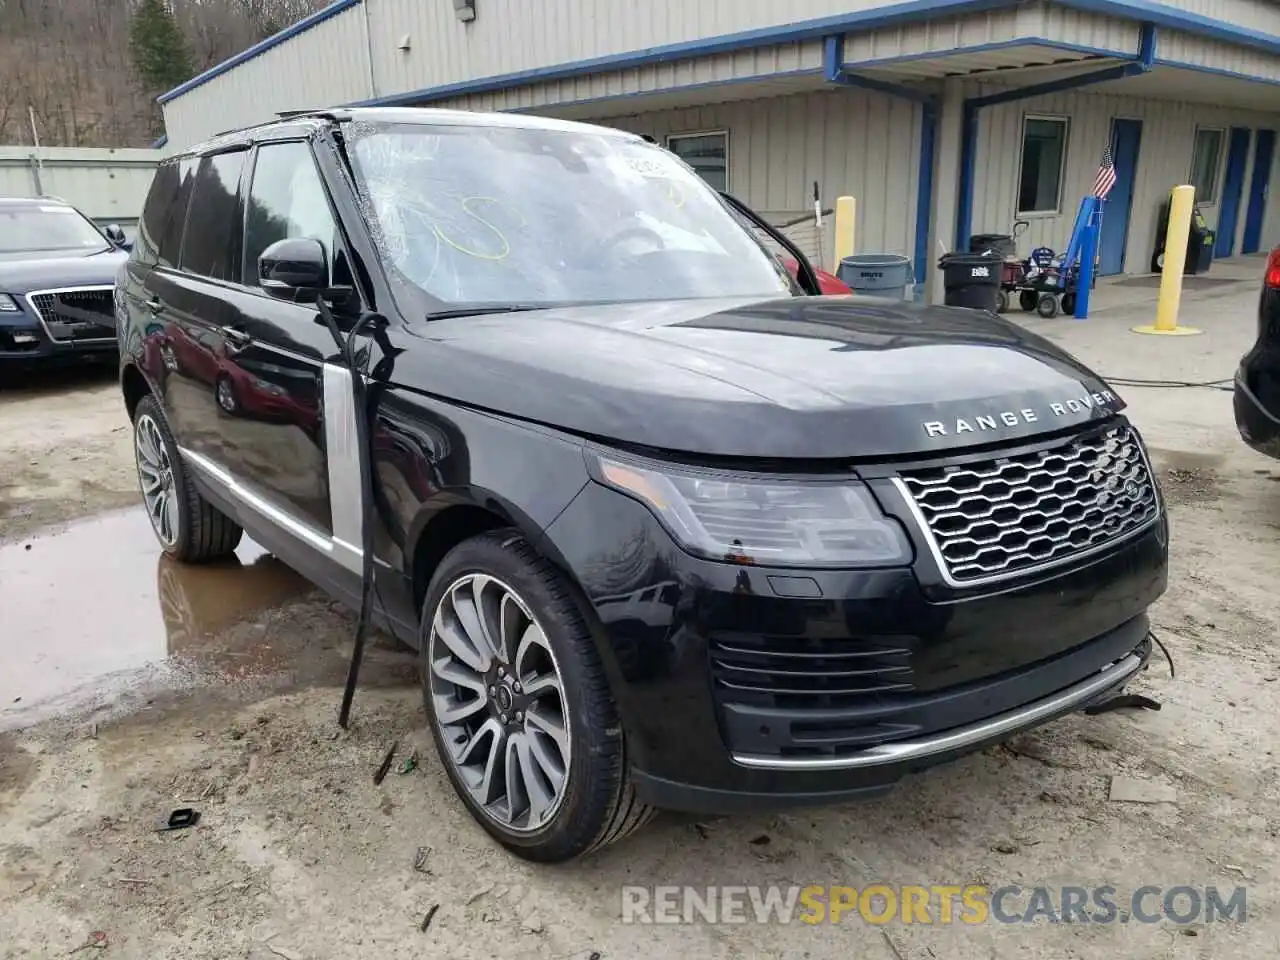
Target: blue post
<point x="1088" y="253"/>
<point x="1083" y="216"/>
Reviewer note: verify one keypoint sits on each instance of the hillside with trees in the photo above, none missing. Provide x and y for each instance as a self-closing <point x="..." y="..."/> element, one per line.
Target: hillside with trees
<point x="90" y="70"/>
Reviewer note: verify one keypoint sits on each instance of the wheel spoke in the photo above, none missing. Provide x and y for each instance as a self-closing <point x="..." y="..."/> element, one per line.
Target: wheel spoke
<point x="453" y="710"/>
<point x="454" y="637"/>
<point x="548" y="762"/>
<point x="464" y="607"/>
<point x="450" y="670"/>
<point x="543" y="685"/>
<point x="535" y="787"/>
<point x="549" y="726"/>
<point x="170" y="516"/>
<point x="510" y="617"/>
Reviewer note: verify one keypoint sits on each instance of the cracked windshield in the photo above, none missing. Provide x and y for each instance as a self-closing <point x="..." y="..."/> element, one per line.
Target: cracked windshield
<point x="539" y="217"/>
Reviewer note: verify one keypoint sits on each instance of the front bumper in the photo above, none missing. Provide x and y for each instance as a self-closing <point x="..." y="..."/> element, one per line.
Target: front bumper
<point x="23" y="341"/>
<point x="1258" y="421"/>
<point x="715" y="666"/>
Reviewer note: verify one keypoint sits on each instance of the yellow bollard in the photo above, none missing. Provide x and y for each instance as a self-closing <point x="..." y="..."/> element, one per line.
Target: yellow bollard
<point x="846" y="223"/>
<point x="1175" y="257"/>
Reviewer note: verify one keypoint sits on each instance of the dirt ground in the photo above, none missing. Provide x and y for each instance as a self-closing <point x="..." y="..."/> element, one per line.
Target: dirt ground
<point x="299" y="855"/>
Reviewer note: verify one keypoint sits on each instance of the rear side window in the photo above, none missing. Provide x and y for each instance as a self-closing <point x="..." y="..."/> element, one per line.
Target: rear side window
<point x="176" y="217"/>
<point x="155" y="213"/>
<point x="287" y="200"/>
<point x="210" y="244"/>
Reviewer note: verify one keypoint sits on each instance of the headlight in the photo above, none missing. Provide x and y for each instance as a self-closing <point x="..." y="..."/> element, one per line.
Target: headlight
<point x="8" y="304"/>
<point x="765" y="521"/>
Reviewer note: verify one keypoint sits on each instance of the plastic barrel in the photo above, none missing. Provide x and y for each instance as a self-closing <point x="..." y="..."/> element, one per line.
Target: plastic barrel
<point x="879" y="274"/>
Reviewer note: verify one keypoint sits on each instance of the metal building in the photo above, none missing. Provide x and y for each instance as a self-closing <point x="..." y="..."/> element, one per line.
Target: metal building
<point x="943" y="117"/>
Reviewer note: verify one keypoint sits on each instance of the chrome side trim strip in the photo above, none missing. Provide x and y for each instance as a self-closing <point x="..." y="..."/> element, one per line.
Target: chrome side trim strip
<point x="905" y="750"/>
<point x="94" y="288"/>
<point x="348" y="556"/>
<point x="926" y="533"/>
<point x="342" y="455"/>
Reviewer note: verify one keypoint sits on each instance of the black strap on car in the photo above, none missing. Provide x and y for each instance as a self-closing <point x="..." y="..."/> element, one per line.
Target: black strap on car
<point x="356" y="362"/>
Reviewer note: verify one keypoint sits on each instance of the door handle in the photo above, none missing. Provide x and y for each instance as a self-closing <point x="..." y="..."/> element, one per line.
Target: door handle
<point x="154" y="305"/>
<point x="236" y="336"/>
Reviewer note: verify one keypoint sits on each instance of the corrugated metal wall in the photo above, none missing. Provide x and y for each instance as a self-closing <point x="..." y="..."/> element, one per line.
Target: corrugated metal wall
<point x="787" y="58"/>
<point x="513" y="35"/>
<point x="108" y="185"/>
<point x="851" y="142"/>
<point x="1031" y="21"/>
<point x="1187" y="48"/>
<point x="1261" y="15"/>
<point x="1164" y="160"/>
<point x="326" y="65"/>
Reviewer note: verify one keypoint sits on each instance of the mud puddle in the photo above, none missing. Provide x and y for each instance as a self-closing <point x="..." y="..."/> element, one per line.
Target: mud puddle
<point x="97" y="607"/>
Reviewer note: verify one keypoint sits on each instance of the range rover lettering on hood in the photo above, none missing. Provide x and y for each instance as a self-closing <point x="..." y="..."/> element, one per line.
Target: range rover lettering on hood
<point x="1013" y="418"/>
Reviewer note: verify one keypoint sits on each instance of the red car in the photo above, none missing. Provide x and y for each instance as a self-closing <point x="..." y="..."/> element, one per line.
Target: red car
<point x="829" y="284"/>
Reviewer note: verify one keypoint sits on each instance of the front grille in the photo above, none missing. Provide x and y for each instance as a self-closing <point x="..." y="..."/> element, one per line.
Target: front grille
<point x="83" y="313"/>
<point x="1025" y="511"/>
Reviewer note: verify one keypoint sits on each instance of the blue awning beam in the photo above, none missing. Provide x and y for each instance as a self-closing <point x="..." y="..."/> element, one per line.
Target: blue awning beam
<point x="834" y="71"/>
<point x="1141" y="63"/>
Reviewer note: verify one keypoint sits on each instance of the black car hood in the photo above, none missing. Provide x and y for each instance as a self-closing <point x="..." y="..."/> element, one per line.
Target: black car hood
<point x="802" y="377"/>
<point x="23" y="273"/>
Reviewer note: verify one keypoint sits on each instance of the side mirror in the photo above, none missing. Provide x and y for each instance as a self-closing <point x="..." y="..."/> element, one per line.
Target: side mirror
<point x="294" y="269"/>
<point x="115" y="233"/>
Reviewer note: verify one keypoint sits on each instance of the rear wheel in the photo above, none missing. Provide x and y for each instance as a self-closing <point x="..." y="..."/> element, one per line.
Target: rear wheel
<point x="520" y="709"/>
<point x="1027" y="300"/>
<point x="188" y="527"/>
<point x="1068" y="303"/>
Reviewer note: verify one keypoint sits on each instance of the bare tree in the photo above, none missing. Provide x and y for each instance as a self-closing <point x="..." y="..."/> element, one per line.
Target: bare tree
<point x="69" y="62"/>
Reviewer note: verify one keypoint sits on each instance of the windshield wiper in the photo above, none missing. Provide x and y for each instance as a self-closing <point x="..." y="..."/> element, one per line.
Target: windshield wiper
<point x="481" y="310"/>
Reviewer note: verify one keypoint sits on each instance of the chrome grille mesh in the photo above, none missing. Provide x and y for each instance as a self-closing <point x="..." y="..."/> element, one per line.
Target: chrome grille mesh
<point x="86" y="313"/>
<point x="1004" y="516"/>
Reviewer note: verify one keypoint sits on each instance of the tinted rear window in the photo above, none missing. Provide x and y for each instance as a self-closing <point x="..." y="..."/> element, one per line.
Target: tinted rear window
<point x="210" y="246"/>
<point x="171" y="238"/>
<point x="155" y="214"/>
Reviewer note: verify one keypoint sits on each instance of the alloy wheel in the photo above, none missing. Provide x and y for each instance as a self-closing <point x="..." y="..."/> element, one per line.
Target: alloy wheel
<point x="226" y="395"/>
<point x="155" y="476"/>
<point x="499" y="703"/>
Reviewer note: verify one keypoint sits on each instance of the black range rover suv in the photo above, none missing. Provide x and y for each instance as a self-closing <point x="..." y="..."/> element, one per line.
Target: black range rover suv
<point x="668" y="529"/>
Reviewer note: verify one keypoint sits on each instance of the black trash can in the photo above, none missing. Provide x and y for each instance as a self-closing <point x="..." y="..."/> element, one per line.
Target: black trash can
<point x="1001" y="245"/>
<point x="971" y="280"/>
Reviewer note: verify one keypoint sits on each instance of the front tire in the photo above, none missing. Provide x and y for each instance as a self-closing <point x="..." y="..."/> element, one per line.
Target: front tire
<point x="519" y="705"/>
<point x="188" y="527"/>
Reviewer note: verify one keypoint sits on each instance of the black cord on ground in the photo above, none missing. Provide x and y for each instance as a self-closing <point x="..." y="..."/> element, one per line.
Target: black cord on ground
<point x="1165" y="651"/>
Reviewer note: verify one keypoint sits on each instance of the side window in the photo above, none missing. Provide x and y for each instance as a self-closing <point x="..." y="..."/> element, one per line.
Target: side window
<point x="213" y="222"/>
<point x="286" y="200"/>
<point x="171" y="237"/>
<point x="1044" y="152"/>
<point x="155" y="212"/>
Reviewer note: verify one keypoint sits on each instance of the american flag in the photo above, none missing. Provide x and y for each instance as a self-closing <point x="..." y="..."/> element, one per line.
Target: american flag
<point x="1106" y="178"/>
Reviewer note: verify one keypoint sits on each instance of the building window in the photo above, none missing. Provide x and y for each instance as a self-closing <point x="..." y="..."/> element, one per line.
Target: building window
<point x="1044" y="150"/>
<point x="1204" y="164"/>
<point x="707" y="153"/>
